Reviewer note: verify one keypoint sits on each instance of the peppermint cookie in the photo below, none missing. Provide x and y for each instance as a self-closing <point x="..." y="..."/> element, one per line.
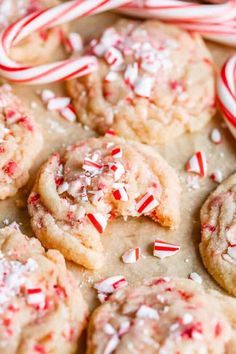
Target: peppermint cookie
<point x="218" y="242"/>
<point x="20" y="143"/>
<point x="39" y="46"/>
<point x="41" y="306"/>
<point x="79" y="190"/>
<point x="166" y="316"/>
<point x="155" y="82"/>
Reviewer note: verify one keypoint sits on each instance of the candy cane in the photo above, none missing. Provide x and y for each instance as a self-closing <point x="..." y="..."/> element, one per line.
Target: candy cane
<point x="226" y="93"/>
<point x="45" y="19"/>
<point x="216" y="22"/>
<point x="220" y="18"/>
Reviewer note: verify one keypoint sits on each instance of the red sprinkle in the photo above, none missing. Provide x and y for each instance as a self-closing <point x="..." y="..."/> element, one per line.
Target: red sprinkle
<point x="218" y="329"/>
<point x="189" y="331"/>
<point x="39" y="349"/>
<point x="33" y="199"/>
<point x="10" y="168"/>
<point x="58" y="180"/>
<point x="26" y="123"/>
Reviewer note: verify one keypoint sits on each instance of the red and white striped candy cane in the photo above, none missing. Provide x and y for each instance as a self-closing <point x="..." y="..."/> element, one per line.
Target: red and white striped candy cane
<point x="226" y="93"/>
<point x="216" y="22"/>
<point x="44" y="19"/>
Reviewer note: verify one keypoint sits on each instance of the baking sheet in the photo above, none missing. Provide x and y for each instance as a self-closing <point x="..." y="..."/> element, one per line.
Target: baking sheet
<point x="121" y="235"/>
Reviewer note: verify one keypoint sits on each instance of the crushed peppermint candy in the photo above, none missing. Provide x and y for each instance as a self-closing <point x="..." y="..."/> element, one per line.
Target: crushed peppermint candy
<point x="195" y="277"/>
<point x="102" y="297"/>
<point x="13" y="276"/>
<point x="215" y="136"/>
<point x="146" y="204"/>
<point x="111" y="284"/>
<point x="35" y="297"/>
<point x="217" y="176"/>
<point x="147" y="312"/>
<point x="119" y="192"/>
<point x="118" y="169"/>
<point x="73" y="43"/>
<point x="116" y="153"/>
<point x="132" y="255"/>
<point x="109" y="329"/>
<point x="58" y="103"/>
<point x="62" y="105"/>
<point x="163" y="249"/>
<point x="197" y="164"/>
<point x="143" y="86"/>
<point x="98" y="221"/>
<point x="112" y="344"/>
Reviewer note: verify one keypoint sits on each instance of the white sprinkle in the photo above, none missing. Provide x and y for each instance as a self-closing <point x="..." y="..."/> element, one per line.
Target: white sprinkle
<point x="109" y="329"/>
<point x="143" y="86"/>
<point x="58" y="103"/>
<point x="216" y="137"/>
<point x="147" y="312"/>
<point x="196" y="277"/>
<point x="187" y="318"/>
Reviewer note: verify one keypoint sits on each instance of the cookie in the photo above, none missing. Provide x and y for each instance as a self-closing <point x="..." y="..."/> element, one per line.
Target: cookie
<point x="41" y="306"/>
<point x="20" y="142"/>
<point x="155" y="82"/>
<point x="165" y="316"/>
<point x="218" y="240"/>
<point x="37" y="47"/>
<point x="79" y="190"/>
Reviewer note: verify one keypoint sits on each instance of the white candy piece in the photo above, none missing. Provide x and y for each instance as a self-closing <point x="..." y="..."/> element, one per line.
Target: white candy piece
<point x="196" y="277"/>
<point x="147" y="312"/>
<point x="109" y="329"/>
<point x="74" y="42"/>
<point x="46" y="95"/>
<point x="58" y="103"/>
<point x="114" y="57"/>
<point x="132" y="255"/>
<point x="143" y="86"/>
<point x="216" y="137"/>
<point x="131" y="74"/>
<point x="187" y="318"/>
<point x="111" y="284"/>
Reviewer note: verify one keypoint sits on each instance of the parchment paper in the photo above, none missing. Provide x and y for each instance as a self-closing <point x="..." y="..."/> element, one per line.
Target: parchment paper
<point x="121" y="235"/>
